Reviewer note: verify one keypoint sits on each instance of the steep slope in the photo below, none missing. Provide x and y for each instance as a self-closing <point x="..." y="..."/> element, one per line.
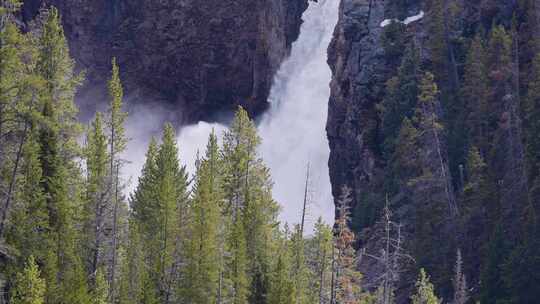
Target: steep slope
<point x="450" y="160"/>
<point x="204" y="56"/>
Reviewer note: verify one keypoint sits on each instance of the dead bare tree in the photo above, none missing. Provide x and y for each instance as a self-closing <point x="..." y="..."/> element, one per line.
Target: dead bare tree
<point x="391" y="256"/>
<point x="461" y="292"/>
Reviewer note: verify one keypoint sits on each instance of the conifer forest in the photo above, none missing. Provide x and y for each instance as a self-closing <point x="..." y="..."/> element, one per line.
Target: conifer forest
<point x="295" y="152"/>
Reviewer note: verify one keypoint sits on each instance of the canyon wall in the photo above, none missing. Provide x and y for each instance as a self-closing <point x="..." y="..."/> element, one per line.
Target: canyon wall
<point x="202" y="57"/>
<point x="435" y="205"/>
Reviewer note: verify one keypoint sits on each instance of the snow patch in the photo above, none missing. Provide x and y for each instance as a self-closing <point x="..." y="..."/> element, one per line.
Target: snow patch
<point x="414" y="18"/>
<point x="407" y="20"/>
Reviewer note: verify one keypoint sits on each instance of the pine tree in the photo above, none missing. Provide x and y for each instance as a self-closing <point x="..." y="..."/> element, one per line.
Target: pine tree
<point x="493" y="288"/>
<point x="347" y="289"/>
<point x="522" y="267"/>
<point x="100" y="292"/>
<point x="299" y="273"/>
<point x="29" y="287"/>
<point x="282" y="286"/>
<point x="97" y="193"/>
<point x="133" y="270"/>
<point x="30" y="212"/>
<point x="401" y="98"/>
<point x="117" y="144"/>
<point x="421" y="164"/>
<point x="249" y="202"/>
<point x="425" y="292"/>
<point x="19" y="91"/>
<point x="58" y="131"/>
<point x="320" y="261"/>
<point x="474" y="92"/>
<point x="204" y="260"/>
<point x="479" y="212"/>
<point x="161" y="207"/>
<point x="142" y="200"/>
<point x="443" y="58"/>
<point x="507" y="156"/>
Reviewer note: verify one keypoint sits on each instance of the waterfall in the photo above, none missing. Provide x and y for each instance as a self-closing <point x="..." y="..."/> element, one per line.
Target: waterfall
<point x="293" y="130"/>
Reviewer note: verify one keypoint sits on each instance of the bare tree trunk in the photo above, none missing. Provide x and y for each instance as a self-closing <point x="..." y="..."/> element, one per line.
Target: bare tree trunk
<point x="114" y="236"/>
<point x="321" y="275"/>
<point x="13" y="180"/>
<point x="306" y="189"/>
<point x="333" y="283"/>
<point x="446" y="178"/>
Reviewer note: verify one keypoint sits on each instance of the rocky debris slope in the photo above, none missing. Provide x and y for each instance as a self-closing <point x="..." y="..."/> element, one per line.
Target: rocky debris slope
<point x="201" y="56"/>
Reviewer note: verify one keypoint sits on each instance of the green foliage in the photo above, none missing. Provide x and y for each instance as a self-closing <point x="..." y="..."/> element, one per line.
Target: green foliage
<point x="204" y="268"/>
<point x="160" y="206"/>
<point x="29" y="286"/>
<point x="400" y="99"/>
<point x="117" y="118"/>
<point x="282" y="285"/>
<point x="249" y="202"/>
<point x="425" y="292"/>
<point x="220" y="241"/>
<point x="474" y="92"/>
<point x="320" y="260"/>
<point x="101" y="289"/>
<point x="492" y="277"/>
<point x="393" y="40"/>
<point x="438" y="42"/>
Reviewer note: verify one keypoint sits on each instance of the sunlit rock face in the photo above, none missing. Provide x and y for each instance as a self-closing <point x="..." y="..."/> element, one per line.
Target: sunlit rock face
<point x="203" y="56"/>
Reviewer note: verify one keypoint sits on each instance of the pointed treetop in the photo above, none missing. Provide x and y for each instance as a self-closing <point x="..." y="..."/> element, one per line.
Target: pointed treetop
<point x="425" y="292"/>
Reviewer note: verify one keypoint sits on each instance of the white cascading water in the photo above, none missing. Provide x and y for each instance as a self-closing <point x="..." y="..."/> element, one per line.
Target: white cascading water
<point x="293" y="130"/>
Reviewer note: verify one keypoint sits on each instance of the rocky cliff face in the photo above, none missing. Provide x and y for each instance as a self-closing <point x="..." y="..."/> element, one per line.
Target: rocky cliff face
<point x="363" y="56"/>
<point x="201" y="56"/>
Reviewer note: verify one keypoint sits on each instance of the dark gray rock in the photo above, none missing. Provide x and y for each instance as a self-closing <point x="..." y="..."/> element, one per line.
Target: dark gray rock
<point x="201" y="56"/>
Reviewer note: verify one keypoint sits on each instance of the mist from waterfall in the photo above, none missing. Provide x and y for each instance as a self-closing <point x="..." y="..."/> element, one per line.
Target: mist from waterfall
<point x="292" y="131"/>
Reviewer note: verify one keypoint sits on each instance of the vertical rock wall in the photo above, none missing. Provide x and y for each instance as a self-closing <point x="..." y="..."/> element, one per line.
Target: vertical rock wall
<point x="201" y="56"/>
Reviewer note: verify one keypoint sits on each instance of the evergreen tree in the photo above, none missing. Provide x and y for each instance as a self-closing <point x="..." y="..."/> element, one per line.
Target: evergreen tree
<point x="347" y="289"/>
<point x="161" y="207"/>
<point x="282" y="285"/>
<point x="97" y="194"/>
<point x="319" y="260"/>
<point x="420" y="163"/>
<point x="401" y="98"/>
<point x="507" y="155"/>
<point x="142" y="200"/>
<point x="474" y="92"/>
<point x="100" y="292"/>
<point x="425" y="292"/>
<point x="117" y="144"/>
<point x="249" y="202"/>
<point x="29" y="287"/>
<point x="204" y="260"/>
<point x="63" y="268"/>
<point x="523" y="265"/>
<point x="493" y="289"/>
<point x="479" y="212"/>
<point x="19" y="91"/>
<point x="300" y="273"/>
<point x="133" y="270"/>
